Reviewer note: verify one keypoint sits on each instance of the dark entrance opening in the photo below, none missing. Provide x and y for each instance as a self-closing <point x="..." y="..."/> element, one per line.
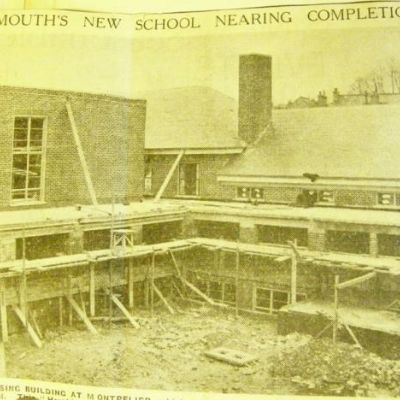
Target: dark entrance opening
<point x="188" y="179"/>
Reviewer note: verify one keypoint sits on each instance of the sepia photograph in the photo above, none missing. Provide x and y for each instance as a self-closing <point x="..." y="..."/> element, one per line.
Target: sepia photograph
<point x="201" y="210"/>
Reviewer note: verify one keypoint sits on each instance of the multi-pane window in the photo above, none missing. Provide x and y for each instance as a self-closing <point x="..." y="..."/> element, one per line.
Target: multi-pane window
<point x="27" y="158"/>
<point x="271" y="300"/>
<point x="250" y="193"/>
<point x="386" y="199"/>
<point x="325" y="196"/>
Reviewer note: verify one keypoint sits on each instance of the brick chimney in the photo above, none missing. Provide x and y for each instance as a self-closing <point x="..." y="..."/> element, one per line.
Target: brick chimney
<point x="255" y="95"/>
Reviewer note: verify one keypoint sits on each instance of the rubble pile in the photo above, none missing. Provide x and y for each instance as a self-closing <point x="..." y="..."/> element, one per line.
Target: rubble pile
<point x="320" y="367"/>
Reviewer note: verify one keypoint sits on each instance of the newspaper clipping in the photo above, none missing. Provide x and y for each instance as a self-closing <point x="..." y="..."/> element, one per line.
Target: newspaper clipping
<point x="200" y="204"/>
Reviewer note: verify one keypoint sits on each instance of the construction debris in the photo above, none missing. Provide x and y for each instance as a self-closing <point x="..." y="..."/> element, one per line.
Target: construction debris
<point x="233" y="357"/>
<point x="319" y="367"/>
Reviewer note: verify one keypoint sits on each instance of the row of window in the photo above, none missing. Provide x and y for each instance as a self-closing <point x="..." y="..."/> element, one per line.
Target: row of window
<point x="335" y="240"/>
<point x="311" y="197"/>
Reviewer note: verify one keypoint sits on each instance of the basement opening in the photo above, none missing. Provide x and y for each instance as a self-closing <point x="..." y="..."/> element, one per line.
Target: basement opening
<point x="282" y="234"/>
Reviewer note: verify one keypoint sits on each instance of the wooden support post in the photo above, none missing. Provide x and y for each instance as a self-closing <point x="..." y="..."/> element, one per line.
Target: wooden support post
<point x="237" y="282"/>
<point x="3" y="313"/>
<point x="69" y="293"/>
<point x="153" y="262"/>
<point x="169" y="176"/>
<point x="81" y="154"/>
<point x="293" y="280"/>
<point x="82" y="315"/>
<point x="131" y="299"/>
<point x="36" y="325"/>
<point x="27" y="325"/>
<point x="110" y="302"/>
<point x="352" y="335"/>
<point x="60" y="311"/>
<point x="3" y="370"/>
<point x="163" y="299"/>
<point x="124" y="311"/>
<point x="356" y="281"/>
<point x="92" y="290"/>
<point x="336" y="310"/>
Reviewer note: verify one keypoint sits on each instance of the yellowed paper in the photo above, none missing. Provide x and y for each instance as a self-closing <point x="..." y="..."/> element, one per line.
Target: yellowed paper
<point x="199" y="204"/>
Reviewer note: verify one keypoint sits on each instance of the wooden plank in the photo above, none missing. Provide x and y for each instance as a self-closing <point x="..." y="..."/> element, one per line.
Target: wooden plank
<point x="163" y="299"/>
<point x="3" y="314"/>
<point x="131" y="300"/>
<point x="92" y="290"/>
<point x="282" y="259"/>
<point x="169" y="176"/>
<point x="124" y="311"/>
<point x="153" y="262"/>
<point x="81" y="154"/>
<point x="293" y="271"/>
<point x="336" y="309"/>
<point x="28" y="326"/>
<point x="60" y="311"/>
<point x="356" y="281"/>
<point x="237" y="265"/>
<point x="3" y="370"/>
<point x="202" y="295"/>
<point x="36" y="325"/>
<point x="353" y="336"/>
<point x="81" y="314"/>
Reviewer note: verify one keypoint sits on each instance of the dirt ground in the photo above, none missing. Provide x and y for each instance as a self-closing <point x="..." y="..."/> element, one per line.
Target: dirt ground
<point x="166" y="353"/>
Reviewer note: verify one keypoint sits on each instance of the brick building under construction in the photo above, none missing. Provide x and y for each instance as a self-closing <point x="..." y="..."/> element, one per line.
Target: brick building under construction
<point x="187" y="194"/>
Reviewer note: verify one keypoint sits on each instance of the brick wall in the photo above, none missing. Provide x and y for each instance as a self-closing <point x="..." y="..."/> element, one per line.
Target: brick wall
<point x="209" y="167"/>
<point x="111" y="130"/>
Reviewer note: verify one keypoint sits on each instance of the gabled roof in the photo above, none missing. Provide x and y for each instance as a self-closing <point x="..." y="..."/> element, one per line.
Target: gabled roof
<point x="334" y="142"/>
<point x="191" y="117"/>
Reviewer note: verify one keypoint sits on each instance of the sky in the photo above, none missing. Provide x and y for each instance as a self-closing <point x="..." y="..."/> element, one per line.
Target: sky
<point x="303" y="62"/>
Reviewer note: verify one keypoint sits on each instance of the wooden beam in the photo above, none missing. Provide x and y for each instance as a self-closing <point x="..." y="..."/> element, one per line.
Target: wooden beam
<point x="202" y="295"/>
<point x="92" y="291"/>
<point x="81" y="314"/>
<point x="124" y="311"/>
<point x="3" y="370"/>
<point x="293" y="272"/>
<point x="169" y="176"/>
<point x="336" y="309"/>
<point x="356" y="281"/>
<point x="81" y="154"/>
<point x="237" y="265"/>
<point x="3" y="314"/>
<point x="18" y="312"/>
<point x="131" y="299"/>
<point x="353" y="336"/>
<point x="282" y="259"/>
<point x="163" y="299"/>
<point x="153" y="263"/>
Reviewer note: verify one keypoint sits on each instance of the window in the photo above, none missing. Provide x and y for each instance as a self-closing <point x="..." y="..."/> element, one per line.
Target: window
<point x="250" y="193"/>
<point x="386" y="199"/>
<point x="271" y="300"/>
<point x="325" y="196"/>
<point x="282" y="234"/>
<point x="28" y="153"/>
<point x="388" y="245"/>
<point x="348" y="241"/>
<point x="148" y="178"/>
<point x="189" y="179"/>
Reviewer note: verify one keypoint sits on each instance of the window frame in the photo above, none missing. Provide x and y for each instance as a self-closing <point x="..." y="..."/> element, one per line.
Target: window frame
<point x="396" y="198"/>
<point x="28" y="152"/>
<point x="322" y="202"/>
<point x="250" y="190"/>
<point x="197" y="194"/>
